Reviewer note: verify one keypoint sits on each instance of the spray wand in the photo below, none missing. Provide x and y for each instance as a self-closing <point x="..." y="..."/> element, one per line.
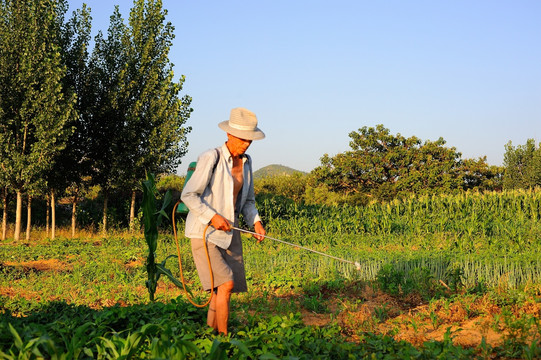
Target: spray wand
<point x="357" y="265"/>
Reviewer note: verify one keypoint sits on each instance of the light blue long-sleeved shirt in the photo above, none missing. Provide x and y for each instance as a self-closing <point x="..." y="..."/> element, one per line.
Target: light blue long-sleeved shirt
<point x="210" y="192"/>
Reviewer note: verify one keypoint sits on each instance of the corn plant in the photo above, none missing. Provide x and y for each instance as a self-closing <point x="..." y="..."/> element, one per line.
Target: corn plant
<point x="152" y="218"/>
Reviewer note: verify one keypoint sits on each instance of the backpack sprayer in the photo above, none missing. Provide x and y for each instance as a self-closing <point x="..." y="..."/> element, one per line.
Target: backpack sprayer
<point x="181" y="208"/>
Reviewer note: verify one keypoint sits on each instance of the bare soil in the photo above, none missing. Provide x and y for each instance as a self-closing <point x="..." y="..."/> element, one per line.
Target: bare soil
<point x="40" y="265"/>
<point x="467" y="320"/>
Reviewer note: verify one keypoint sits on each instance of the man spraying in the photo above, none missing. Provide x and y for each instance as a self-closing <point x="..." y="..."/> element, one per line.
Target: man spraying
<point x="221" y="188"/>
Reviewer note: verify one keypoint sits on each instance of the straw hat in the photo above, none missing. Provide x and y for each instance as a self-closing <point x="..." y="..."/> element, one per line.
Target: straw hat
<point x="242" y="123"/>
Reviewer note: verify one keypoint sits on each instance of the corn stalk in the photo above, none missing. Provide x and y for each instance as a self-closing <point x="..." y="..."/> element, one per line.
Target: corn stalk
<point x="152" y="218"/>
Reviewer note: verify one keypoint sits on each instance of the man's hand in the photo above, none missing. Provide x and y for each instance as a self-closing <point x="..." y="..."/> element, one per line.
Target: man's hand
<point x="258" y="227"/>
<point x="220" y="223"/>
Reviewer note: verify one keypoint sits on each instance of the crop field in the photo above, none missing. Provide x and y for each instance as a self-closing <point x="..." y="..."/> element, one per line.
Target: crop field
<point x="446" y="277"/>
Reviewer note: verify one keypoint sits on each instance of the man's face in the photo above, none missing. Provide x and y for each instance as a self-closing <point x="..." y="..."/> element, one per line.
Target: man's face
<point x="237" y="146"/>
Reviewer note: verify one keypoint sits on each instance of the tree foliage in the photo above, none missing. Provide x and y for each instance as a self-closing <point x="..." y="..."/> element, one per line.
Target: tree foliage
<point x="384" y="165"/>
<point x="73" y="163"/>
<point x="136" y="117"/>
<point x="35" y="110"/>
<point x="67" y="117"/>
<point x="522" y="165"/>
<point x="154" y="130"/>
<point x="478" y="175"/>
<point x="292" y="186"/>
<point x="103" y="116"/>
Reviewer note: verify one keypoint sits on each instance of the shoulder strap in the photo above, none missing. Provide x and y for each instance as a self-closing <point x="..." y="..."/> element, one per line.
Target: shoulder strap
<point x="217" y="159"/>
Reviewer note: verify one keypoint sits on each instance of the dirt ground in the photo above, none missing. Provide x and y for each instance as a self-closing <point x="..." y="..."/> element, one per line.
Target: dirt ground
<point x="40" y="265"/>
<point x="468" y="320"/>
<point x="381" y="314"/>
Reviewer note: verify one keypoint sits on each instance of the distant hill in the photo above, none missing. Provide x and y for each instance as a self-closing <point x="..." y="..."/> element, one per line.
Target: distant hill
<point x="274" y="170"/>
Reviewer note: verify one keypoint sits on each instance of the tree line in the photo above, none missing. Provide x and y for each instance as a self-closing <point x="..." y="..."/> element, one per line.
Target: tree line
<point x="72" y="117"/>
<point x="382" y="166"/>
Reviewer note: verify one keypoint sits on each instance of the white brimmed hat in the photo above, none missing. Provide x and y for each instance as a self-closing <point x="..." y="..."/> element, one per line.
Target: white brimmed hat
<point x="242" y="123"/>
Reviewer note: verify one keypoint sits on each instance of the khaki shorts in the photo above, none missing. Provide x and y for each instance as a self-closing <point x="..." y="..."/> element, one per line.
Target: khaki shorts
<point x="226" y="265"/>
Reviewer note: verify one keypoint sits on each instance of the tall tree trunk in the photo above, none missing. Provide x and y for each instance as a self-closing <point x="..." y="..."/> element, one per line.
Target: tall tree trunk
<point x="73" y="216"/>
<point x="17" y="231"/>
<point x="53" y="215"/>
<point x="132" y="211"/>
<point x="5" y="214"/>
<point x="28" y="218"/>
<point x="105" y="200"/>
<point x="48" y="214"/>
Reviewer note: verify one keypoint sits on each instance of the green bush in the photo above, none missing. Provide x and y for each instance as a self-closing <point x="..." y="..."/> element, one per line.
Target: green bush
<point x="290" y="186"/>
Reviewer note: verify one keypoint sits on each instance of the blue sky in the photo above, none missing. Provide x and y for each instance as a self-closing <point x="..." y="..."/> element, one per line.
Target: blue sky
<point x="314" y="71"/>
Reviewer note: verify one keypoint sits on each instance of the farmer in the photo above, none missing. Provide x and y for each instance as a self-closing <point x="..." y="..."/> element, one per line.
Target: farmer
<point x="221" y="188"/>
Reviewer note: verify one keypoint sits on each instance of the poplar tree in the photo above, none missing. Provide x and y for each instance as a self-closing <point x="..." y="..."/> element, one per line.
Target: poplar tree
<point x="154" y="135"/>
<point x="104" y="114"/>
<point x="72" y="165"/>
<point x="137" y="117"/>
<point x="4" y="197"/>
<point x="4" y="138"/>
<point x="34" y="108"/>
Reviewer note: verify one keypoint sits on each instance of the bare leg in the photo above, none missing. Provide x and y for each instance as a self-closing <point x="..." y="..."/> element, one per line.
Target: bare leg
<point x="222" y="307"/>
<point x="211" y="316"/>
